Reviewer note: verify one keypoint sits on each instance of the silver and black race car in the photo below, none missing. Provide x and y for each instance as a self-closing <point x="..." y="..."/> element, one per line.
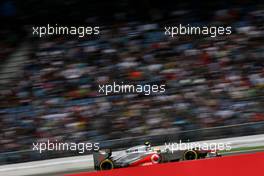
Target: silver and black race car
<point x="145" y="155"/>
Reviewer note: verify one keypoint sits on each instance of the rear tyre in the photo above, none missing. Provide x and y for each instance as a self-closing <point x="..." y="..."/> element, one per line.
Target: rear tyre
<point x="107" y="164"/>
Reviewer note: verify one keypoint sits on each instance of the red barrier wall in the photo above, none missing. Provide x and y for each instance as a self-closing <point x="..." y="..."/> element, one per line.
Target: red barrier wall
<point x="238" y="165"/>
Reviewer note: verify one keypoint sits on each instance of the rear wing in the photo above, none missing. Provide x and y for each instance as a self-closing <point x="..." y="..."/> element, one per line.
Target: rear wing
<point x="100" y="156"/>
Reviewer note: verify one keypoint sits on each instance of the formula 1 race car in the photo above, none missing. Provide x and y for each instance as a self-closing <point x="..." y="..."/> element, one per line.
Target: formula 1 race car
<point x="145" y="155"/>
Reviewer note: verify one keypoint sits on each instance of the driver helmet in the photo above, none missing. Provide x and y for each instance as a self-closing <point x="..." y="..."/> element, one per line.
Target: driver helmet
<point x="147" y="144"/>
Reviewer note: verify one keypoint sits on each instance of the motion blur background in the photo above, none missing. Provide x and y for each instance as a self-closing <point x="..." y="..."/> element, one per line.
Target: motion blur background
<point x="49" y="86"/>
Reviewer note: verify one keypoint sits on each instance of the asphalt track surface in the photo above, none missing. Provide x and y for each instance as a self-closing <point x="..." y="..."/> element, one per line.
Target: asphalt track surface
<point x="78" y="171"/>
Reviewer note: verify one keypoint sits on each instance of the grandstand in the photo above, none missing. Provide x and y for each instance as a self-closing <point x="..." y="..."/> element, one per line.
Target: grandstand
<point x="49" y="86"/>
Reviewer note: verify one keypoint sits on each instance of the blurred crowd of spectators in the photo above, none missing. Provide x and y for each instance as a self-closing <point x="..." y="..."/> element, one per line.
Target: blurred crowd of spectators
<point x="7" y="44"/>
<point x="209" y="82"/>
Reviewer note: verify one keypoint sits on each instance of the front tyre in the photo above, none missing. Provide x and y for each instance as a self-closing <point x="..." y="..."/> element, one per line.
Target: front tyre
<point x="190" y="155"/>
